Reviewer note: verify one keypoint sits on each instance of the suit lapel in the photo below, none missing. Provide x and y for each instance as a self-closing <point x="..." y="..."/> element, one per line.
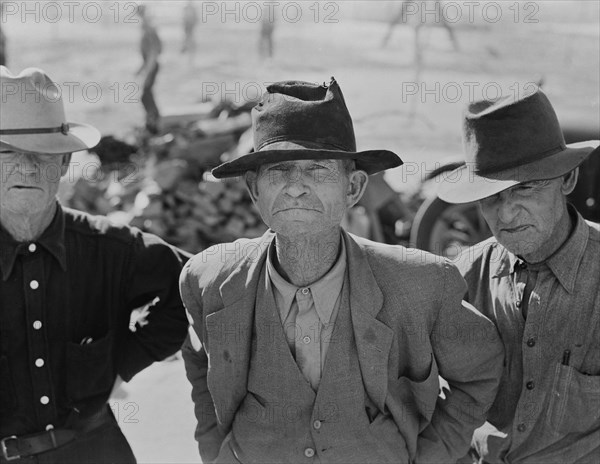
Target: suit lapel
<point x="229" y="330"/>
<point x="373" y="337"/>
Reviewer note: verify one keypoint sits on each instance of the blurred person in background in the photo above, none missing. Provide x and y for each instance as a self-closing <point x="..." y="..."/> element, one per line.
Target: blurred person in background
<point x="2" y="37"/>
<point x="69" y="282"/>
<point x="190" y="20"/>
<point x="309" y="344"/>
<point x="266" y="47"/>
<point x="151" y="48"/>
<point x="537" y="278"/>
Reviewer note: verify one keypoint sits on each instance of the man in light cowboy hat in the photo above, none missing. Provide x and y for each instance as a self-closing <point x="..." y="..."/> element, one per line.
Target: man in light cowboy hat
<point x="312" y="345"/>
<point x="68" y="284"/>
<point x="538" y="279"/>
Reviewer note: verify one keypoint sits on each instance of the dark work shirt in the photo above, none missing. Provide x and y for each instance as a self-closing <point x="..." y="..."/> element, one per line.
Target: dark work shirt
<point x="65" y="306"/>
<point x="548" y="405"/>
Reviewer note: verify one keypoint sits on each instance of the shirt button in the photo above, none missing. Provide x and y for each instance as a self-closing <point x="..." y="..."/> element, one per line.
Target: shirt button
<point x="521" y="427"/>
<point x="317" y="424"/>
<point x="531" y="342"/>
<point x="37" y="325"/>
<point x="309" y="452"/>
<point x="49" y="427"/>
<point x="39" y="362"/>
<point x="32" y="247"/>
<point x="305" y="292"/>
<point x="306" y="339"/>
<point x="44" y="399"/>
<point x="34" y="284"/>
<point x="529" y="385"/>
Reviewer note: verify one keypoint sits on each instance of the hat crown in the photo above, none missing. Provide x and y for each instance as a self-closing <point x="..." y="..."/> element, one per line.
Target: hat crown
<point x="30" y="100"/>
<point x="508" y="133"/>
<point x="303" y="113"/>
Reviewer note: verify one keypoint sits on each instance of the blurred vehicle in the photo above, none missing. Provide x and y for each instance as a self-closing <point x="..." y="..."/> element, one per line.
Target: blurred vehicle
<point x="445" y="229"/>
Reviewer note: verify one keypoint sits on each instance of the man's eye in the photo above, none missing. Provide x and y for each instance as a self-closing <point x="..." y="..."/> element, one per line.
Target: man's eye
<point x="278" y="168"/>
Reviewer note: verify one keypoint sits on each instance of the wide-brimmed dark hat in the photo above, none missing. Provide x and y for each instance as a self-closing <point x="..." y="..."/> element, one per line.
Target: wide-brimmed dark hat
<point x="32" y="116"/>
<point x="299" y="120"/>
<point x="509" y="141"/>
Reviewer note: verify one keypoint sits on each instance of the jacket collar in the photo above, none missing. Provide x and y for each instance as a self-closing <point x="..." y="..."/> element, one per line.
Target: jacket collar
<point x="52" y="239"/>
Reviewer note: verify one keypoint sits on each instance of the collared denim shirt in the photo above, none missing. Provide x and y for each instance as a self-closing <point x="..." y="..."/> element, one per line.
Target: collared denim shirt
<point x="547" y="409"/>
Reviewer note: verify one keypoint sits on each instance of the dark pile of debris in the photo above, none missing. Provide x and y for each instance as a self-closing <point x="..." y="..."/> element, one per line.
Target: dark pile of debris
<point x="163" y="184"/>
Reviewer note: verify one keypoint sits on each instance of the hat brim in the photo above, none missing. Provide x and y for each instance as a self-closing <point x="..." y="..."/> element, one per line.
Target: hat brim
<point x="463" y="185"/>
<point x="80" y="137"/>
<point x="370" y="161"/>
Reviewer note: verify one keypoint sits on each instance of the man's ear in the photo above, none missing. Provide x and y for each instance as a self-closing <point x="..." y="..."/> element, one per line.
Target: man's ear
<point x="251" y="178"/>
<point x="357" y="183"/>
<point x="569" y="181"/>
<point x="65" y="164"/>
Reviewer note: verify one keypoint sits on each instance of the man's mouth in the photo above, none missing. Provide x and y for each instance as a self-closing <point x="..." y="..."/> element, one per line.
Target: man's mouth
<point x="513" y="230"/>
<point x="26" y="187"/>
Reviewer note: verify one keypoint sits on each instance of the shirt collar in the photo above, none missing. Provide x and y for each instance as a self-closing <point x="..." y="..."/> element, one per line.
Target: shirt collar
<point x="324" y="291"/>
<point x="52" y="239"/>
<point x="564" y="262"/>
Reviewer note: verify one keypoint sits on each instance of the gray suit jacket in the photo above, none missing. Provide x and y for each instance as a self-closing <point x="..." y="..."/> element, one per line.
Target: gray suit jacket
<point x="409" y="323"/>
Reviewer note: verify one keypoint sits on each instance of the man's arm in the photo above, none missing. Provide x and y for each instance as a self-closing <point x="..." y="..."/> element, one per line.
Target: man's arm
<point x="154" y="269"/>
<point x="470" y="356"/>
<point x="207" y="434"/>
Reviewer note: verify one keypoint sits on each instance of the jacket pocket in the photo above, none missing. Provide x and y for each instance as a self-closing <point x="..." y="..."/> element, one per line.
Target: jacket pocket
<point x="90" y="369"/>
<point x="417" y="397"/>
<point x="8" y="399"/>
<point x="574" y="402"/>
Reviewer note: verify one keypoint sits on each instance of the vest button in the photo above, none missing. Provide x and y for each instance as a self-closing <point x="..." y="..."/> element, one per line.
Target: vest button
<point x="309" y="452"/>
<point x="317" y="424"/>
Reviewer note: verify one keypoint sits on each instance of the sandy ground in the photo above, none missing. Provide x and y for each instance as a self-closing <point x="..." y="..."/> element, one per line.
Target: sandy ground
<point x="415" y="112"/>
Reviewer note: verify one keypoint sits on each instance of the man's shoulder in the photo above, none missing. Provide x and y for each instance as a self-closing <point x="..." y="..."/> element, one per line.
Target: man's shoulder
<point x="224" y="257"/>
<point x="398" y="257"/>
<point x="485" y="253"/>
<point x="100" y="227"/>
<point x="594" y="228"/>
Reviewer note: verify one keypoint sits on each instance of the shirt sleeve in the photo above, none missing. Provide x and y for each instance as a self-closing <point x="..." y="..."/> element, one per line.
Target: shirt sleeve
<point x="154" y="268"/>
<point x="469" y="355"/>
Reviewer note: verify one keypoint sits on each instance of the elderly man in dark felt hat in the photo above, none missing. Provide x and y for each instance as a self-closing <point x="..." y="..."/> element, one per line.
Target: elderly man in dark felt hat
<point x="68" y="284"/>
<point x="309" y="344"/>
<point x="538" y="279"/>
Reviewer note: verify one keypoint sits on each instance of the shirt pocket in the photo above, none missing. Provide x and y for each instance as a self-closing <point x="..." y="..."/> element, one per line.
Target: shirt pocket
<point x="8" y="398"/>
<point x="574" y="403"/>
<point x="90" y="369"/>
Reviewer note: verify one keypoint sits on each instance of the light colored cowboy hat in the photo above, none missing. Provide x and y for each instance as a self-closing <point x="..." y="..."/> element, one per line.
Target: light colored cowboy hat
<point x="298" y="120"/>
<point x="32" y="116"/>
<point x="509" y="141"/>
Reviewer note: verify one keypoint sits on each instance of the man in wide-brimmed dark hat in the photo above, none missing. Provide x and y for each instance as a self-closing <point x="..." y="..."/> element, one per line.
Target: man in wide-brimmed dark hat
<point x="68" y="285"/>
<point x="538" y="279"/>
<point x="312" y="345"/>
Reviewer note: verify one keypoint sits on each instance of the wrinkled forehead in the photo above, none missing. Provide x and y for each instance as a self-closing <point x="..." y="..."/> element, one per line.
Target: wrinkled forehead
<point x="326" y="163"/>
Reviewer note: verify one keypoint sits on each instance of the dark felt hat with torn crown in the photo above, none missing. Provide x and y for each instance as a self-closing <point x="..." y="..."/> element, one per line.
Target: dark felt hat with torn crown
<point x="298" y="120"/>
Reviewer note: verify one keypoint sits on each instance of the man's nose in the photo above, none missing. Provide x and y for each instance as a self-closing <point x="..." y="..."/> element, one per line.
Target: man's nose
<point x="295" y="183"/>
<point x="507" y="211"/>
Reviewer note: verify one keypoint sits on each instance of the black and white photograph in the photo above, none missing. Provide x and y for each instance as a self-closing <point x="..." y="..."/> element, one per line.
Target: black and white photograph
<point x="300" y="232"/>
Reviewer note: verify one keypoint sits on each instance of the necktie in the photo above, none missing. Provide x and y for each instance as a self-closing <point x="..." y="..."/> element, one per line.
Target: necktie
<point x="307" y="342"/>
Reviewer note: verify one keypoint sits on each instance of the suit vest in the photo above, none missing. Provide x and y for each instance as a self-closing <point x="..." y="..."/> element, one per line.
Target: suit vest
<point x="283" y="420"/>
